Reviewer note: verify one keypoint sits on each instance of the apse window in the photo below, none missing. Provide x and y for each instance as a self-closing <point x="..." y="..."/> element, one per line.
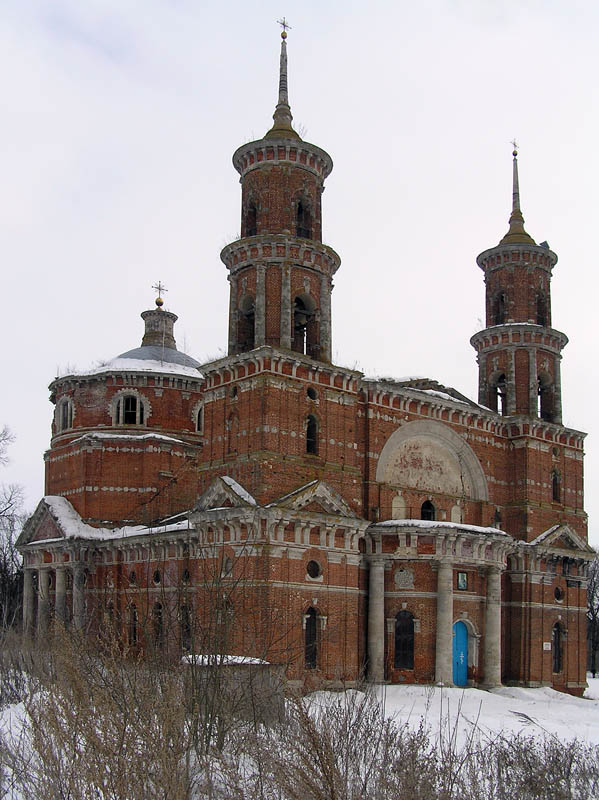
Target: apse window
<point x="129" y="411"/>
<point x="65" y="415"/>
<point x="462" y="581"/>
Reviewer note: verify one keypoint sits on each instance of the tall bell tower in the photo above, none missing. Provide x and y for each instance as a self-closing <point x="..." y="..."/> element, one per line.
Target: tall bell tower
<point x="280" y="273"/>
<point x="519" y="353"/>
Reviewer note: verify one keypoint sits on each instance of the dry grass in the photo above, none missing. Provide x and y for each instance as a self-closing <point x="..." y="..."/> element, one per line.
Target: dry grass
<point x="102" y="724"/>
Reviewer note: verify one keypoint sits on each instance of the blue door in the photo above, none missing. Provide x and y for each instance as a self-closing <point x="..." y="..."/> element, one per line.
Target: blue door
<point x="460" y="654"/>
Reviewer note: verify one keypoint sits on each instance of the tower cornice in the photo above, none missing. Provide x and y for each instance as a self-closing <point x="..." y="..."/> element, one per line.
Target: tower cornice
<point x="279" y="151"/>
<point x="280" y="248"/>
<point x="519" y="334"/>
<point x="516" y="254"/>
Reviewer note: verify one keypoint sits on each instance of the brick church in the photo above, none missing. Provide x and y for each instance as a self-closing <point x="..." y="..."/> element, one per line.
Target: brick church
<point x="273" y="505"/>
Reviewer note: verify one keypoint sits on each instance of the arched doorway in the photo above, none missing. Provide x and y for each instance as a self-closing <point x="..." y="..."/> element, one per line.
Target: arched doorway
<point x="460" y="654"/>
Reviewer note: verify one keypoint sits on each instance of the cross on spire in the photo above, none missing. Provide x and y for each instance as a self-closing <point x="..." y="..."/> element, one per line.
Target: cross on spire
<point x="285" y="25"/>
<point x="160" y="288"/>
<point x="514" y="144"/>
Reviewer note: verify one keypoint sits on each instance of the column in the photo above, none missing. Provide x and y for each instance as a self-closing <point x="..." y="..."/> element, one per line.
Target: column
<point x="557" y="389"/>
<point x="533" y="386"/>
<point x="492" y="649"/>
<point x="325" y="318"/>
<point x="232" y="315"/>
<point x="260" y="310"/>
<point x="60" y="603"/>
<point x="483" y="397"/>
<point x="78" y="598"/>
<point x="511" y="381"/>
<point x="43" y="602"/>
<point x="286" y="306"/>
<point x="376" y="622"/>
<point x="444" y="667"/>
<point x="28" y="600"/>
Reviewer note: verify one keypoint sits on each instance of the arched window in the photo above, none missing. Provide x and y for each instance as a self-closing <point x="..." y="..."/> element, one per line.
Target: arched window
<point x="247" y="324"/>
<point x="232" y="432"/>
<point x="185" y="623"/>
<point x="65" y="414"/>
<point x="311" y="435"/>
<point x="404" y="641"/>
<point x="251" y="220"/>
<point x="311" y="650"/>
<point x="158" y="625"/>
<point x="556" y="488"/>
<point x="498" y="395"/>
<point x="541" y="309"/>
<point x="557" y="644"/>
<point x="133" y="622"/>
<point x="200" y="420"/>
<point x="129" y="410"/>
<point x="304" y="220"/>
<point x="427" y="510"/>
<point x="545" y="405"/>
<point x="499" y="308"/>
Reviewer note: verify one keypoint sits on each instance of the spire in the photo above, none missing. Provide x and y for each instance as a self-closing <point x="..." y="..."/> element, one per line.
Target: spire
<point x="516" y="233"/>
<point x="282" y="128"/>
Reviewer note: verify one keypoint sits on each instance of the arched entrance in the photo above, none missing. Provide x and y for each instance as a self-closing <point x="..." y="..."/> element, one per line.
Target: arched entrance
<point x="460" y="654"/>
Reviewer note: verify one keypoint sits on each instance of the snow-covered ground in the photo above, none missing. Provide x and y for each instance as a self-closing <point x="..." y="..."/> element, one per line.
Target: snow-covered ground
<point x="508" y="710"/>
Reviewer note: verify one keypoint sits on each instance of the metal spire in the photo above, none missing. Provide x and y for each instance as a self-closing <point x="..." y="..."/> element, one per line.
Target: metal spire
<point x="282" y="128"/>
<point x="516" y="232"/>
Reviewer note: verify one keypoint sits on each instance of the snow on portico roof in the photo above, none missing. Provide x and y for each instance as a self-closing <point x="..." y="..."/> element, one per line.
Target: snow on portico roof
<point x="425" y="523"/>
<point x="73" y="527"/>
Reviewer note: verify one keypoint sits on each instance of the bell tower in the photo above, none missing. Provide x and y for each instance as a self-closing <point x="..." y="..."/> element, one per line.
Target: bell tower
<point x="519" y="353"/>
<point x="280" y="273"/>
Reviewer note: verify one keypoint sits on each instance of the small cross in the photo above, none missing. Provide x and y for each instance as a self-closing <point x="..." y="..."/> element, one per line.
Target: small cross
<point x="514" y="144"/>
<point x="159" y="288"/>
<point x="284" y="24"/>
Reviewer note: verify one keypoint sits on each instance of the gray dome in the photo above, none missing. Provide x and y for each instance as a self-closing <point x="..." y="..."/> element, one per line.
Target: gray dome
<point x="156" y="353"/>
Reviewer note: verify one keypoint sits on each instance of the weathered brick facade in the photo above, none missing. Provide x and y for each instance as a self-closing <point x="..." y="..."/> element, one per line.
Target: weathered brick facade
<point x="273" y="505"/>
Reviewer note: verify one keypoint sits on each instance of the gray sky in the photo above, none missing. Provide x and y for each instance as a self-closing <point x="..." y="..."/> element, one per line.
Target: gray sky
<point x="118" y="124"/>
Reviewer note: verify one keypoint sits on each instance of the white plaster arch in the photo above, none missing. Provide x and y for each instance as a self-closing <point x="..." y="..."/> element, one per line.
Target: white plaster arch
<point x="429" y="456"/>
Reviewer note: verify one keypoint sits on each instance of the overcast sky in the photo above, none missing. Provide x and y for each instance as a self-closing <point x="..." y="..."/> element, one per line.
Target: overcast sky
<point x="119" y="120"/>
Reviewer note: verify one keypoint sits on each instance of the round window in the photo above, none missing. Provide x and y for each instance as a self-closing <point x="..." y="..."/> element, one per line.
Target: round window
<point x="558" y="594"/>
<point x="312" y="393"/>
<point x="313" y="569"/>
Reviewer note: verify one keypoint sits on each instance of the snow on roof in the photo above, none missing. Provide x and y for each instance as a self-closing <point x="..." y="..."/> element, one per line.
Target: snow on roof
<point x="131" y="436"/>
<point x="291" y="494"/>
<point x="443" y="395"/>
<point x="73" y="526"/>
<point x="425" y="523"/>
<point x="542" y="536"/>
<point x="217" y="659"/>
<point x="390" y="379"/>
<point x="239" y="490"/>
<point x="141" y="365"/>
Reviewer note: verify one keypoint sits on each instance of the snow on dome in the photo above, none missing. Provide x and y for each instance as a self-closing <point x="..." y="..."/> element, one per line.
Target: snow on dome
<point x="129" y="363"/>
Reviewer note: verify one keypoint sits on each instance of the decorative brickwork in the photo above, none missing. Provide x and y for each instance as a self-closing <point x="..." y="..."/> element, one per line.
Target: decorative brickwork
<point x="273" y="505"/>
